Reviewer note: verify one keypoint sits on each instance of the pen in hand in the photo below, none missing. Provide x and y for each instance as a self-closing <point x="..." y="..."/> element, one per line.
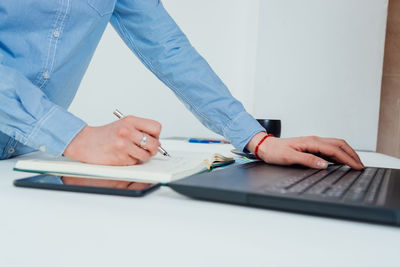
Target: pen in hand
<point x="160" y="149"/>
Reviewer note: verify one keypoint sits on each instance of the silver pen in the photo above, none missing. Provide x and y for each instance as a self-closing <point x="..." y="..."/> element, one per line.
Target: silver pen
<point x="160" y="149"/>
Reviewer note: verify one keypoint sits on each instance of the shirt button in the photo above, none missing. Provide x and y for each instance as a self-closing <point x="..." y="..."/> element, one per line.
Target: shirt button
<point x="56" y="33"/>
<point x="11" y="150"/>
<point x="46" y="75"/>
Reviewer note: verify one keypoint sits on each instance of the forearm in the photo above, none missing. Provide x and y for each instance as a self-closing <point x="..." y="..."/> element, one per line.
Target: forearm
<point x="150" y="32"/>
<point x="28" y="116"/>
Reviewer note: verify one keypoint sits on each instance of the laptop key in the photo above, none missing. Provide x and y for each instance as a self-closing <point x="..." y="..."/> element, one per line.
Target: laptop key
<point x="328" y="181"/>
<point x="373" y="188"/>
<point x="285" y="182"/>
<point x="290" y="181"/>
<point x="359" y="188"/>
<point x="340" y="187"/>
<point x="311" y="180"/>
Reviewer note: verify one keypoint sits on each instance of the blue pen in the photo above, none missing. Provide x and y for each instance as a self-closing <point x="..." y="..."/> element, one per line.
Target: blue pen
<point x="207" y="141"/>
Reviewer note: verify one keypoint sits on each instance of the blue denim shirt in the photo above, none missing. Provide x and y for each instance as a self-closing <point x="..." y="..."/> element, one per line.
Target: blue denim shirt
<point x="45" y="49"/>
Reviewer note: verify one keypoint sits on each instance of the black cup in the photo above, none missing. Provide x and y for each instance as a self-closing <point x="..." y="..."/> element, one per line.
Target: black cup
<point x="271" y="126"/>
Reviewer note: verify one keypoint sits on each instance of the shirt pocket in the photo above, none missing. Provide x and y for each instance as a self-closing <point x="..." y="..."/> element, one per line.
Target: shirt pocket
<point x="103" y="7"/>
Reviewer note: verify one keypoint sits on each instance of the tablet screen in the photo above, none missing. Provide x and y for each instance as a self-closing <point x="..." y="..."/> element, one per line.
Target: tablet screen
<point x="117" y="184"/>
<point x="95" y="185"/>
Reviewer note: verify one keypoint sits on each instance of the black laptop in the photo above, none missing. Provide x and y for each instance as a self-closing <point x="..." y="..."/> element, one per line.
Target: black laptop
<point x="371" y="195"/>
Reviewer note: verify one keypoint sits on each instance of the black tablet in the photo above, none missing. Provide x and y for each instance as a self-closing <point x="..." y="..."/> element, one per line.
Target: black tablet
<point x="87" y="185"/>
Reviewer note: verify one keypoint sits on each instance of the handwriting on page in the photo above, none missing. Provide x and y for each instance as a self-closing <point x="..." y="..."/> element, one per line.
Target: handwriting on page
<point x="171" y="164"/>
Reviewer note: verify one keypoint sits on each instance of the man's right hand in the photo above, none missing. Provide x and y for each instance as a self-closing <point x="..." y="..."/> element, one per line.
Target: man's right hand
<point x="117" y="143"/>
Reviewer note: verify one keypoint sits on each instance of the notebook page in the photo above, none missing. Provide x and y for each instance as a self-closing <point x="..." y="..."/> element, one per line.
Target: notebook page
<point x="157" y="169"/>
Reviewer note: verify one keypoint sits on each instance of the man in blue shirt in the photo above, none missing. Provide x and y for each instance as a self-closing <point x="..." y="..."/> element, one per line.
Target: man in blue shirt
<point x="45" y="48"/>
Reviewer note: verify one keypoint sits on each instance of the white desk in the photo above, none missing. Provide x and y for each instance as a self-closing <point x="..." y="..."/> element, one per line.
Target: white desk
<point x="49" y="228"/>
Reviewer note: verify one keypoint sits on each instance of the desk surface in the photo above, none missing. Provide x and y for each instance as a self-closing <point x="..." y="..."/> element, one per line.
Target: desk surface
<point x="49" y="228"/>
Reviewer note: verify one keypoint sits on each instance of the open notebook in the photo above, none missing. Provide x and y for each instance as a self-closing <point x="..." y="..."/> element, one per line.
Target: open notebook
<point x="158" y="169"/>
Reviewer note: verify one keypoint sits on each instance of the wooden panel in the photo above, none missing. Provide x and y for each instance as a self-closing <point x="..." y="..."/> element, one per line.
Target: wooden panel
<point x="389" y="120"/>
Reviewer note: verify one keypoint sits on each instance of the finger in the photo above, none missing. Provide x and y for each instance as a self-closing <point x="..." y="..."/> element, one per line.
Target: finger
<point x="329" y="159"/>
<point x="151" y="145"/>
<point x="120" y="147"/>
<point x="150" y="127"/>
<point x="334" y="152"/>
<point x="124" y="159"/>
<point x="308" y="160"/>
<point x="345" y="147"/>
<point x="132" y="161"/>
<point x="139" y="153"/>
<point x="133" y="136"/>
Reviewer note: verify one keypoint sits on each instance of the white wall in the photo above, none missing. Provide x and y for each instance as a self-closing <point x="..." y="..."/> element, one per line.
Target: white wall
<point x="316" y="64"/>
<point x="116" y="78"/>
<point x="319" y="67"/>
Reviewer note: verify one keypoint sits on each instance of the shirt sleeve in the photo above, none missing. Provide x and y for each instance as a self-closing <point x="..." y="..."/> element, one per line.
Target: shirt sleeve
<point x="28" y="116"/>
<point x="149" y="31"/>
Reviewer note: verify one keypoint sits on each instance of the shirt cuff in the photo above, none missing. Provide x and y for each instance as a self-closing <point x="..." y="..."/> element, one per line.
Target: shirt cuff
<point x="240" y="131"/>
<point x="55" y="131"/>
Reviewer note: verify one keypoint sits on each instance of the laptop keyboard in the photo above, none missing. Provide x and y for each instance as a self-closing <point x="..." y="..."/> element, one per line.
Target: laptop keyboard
<point x="336" y="182"/>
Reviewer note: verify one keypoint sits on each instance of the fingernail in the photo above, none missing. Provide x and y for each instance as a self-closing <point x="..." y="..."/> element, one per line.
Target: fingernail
<point x="322" y="164"/>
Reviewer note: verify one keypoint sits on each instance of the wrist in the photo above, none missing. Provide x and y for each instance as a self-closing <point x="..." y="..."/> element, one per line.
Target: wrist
<point x="74" y="146"/>
<point x="251" y="146"/>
